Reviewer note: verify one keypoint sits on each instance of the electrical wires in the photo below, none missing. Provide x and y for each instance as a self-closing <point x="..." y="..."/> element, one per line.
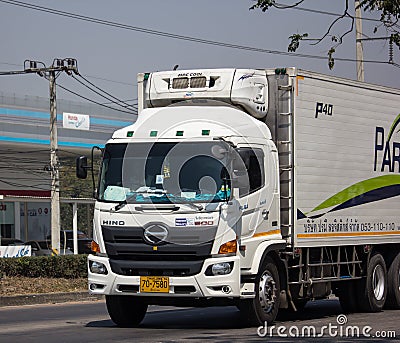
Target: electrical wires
<point x="170" y="35"/>
<point x="71" y="69"/>
<point x="16" y="72"/>
<point x="108" y="80"/>
<point x="108" y="96"/>
<point x="23" y="169"/>
<point x="324" y="12"/>
<point x="93" y="101"/>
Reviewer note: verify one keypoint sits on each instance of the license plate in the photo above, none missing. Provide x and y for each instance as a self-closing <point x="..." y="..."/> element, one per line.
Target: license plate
<point x="154" y="284"/>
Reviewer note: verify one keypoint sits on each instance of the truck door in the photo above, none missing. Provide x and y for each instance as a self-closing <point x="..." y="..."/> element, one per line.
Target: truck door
<point x="255" y="191"/>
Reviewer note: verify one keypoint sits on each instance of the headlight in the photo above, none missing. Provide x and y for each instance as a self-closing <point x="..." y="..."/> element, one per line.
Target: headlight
<point x="221" y="268"/>
<point x="97" y="268"/>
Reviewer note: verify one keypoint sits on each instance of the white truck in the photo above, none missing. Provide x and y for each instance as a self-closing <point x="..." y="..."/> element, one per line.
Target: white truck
<point x="258" y="188"/>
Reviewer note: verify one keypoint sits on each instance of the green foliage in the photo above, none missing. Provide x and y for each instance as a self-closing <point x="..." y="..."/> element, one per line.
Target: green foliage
<point x="72" y="187"/>
<point x="390" y="15"/>
<point x="395" y="38"/>
<point x="388" y="8"/>
<point x="295" y="41"/>
<point x="69" y="266"/>
<point x="263" y="5"/>
<point x="389" y="11"/>
<point x="85" y="217"/>
<point x="331" y="60"/>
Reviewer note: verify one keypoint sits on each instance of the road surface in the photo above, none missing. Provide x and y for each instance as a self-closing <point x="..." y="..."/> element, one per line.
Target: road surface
<point x="89" y="322"/>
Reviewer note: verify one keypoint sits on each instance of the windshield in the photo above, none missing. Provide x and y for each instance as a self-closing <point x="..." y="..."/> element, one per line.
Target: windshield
<point x="165" y="173"/>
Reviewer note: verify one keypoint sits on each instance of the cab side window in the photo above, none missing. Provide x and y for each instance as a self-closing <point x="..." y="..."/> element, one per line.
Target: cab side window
<point x="249" y="171"/>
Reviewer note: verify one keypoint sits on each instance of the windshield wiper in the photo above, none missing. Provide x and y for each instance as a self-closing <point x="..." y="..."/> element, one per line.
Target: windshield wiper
<point x="197" y="207"/>
<point x="151" y="191"/>
<point x="147" y="191"/>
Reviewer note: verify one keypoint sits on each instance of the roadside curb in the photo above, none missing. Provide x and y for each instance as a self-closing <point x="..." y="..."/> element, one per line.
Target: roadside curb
<point x="47" y="298"/>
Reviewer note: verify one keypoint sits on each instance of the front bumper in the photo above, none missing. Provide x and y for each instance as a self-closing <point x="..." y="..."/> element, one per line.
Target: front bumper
<point x="196" y="286"/>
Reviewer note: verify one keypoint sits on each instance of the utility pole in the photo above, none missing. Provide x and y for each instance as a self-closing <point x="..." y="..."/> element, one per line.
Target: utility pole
<point x="51" y="73"/>
<point x="54" y="172"/>
<point x="359" y="44"/>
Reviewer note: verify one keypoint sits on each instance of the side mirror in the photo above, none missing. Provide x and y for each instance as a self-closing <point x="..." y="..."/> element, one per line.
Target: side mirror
<point x="81" y="167"/>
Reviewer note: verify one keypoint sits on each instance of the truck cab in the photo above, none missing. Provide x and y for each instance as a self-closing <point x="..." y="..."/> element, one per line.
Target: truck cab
<point x="188" y="198"/>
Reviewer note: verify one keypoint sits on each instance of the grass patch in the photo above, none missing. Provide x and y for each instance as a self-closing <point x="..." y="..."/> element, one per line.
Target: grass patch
<point x="21" y="285"/>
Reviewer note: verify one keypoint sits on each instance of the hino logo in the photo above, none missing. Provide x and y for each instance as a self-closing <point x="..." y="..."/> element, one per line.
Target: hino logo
<point x="155" y="234"/>
<point x="114" y="222"/>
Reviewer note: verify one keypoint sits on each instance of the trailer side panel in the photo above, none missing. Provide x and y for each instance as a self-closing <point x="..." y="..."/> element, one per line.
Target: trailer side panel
<point x="346" y="161"/>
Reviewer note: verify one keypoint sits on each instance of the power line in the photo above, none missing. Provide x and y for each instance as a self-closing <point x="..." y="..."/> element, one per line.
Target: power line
<point x="6" y="152"/>
<point x="14" y="184"/>
<point x="108" y="80"/>
<point x="10" y="64"/>
<point x="329" y="13"/>
<point x="90" y="76"/>
<point x="108" y="97"/>
<point x="95" y="102"/>
<point x="169" y="35"/>
<point x="126" y="101"/>
<point x="15" y="72"/>
<point x="119" y="103"/>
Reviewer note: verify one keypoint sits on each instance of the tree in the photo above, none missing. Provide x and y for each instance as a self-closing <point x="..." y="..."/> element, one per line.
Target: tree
<point x="389" y="11"/>
<point x="72" y="187"/>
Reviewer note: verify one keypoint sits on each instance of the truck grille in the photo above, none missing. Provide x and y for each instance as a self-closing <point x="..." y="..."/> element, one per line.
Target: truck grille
<point x="130" y="253"/>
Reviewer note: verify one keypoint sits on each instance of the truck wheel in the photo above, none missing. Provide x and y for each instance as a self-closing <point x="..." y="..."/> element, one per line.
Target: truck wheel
<point x="373" y="289"/>
<point x="125" y="311"/>
<point x="393" y="296"/>
<point x="265" y="305"/>
<point x="346" y="292"/>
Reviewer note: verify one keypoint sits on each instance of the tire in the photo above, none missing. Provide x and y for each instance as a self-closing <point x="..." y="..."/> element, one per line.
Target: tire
<point x="393" y="296"/>
<point x="125" y="311"/>
<point x="372" y="290"/>
<point x="265" y="305"/>
<point x="347" y="293"/>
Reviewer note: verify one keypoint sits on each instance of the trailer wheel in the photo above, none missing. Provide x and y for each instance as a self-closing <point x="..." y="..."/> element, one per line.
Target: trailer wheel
<point x="372" y="291"/>
<point x="393" y="296"/>
<point x="265" y="305"/>
<point x="125" y="311"/>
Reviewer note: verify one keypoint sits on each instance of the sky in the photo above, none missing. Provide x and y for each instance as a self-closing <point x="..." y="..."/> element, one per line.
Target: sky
<point x="111" y="57"/>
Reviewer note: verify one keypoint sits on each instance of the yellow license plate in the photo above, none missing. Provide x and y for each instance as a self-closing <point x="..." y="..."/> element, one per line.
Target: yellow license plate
<point x="154" y="284"/>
